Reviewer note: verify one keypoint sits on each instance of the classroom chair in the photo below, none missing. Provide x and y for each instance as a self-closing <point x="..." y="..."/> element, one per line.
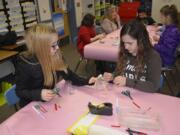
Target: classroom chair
<point x="165" y="70"/>
<point x="11" y="97"/>
<point x="81" y="59"/>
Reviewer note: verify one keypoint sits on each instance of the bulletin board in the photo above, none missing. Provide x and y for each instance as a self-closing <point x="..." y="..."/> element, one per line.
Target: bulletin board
<point x="17" y="15"/>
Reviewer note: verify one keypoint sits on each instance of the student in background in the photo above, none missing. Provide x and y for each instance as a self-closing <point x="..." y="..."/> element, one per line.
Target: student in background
<point x="170" y="38"/>
<point x="87" y="33"/>
<point x="143" y="16"/>
<point x="139" y="65"/>
<point x="112" y="20"/>
<point x="41" y="67"/>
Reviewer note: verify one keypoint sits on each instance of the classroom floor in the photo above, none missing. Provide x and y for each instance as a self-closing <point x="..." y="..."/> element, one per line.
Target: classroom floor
<point x="71" y="57"/>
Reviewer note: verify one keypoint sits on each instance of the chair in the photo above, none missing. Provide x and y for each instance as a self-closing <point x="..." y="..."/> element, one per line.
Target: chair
<point x="163" y="79"/>
<point x="165" y="70"/>
<point x="81" y="59"/>
<point x="11" y="97"/>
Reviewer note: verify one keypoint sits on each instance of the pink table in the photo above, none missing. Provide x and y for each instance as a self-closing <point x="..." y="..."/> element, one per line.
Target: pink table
<point x="106" y="49"/>
<point x="27" y="122"/>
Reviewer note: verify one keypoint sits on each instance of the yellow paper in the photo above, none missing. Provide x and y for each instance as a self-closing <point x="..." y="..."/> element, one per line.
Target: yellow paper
<point x="81" y="126"/>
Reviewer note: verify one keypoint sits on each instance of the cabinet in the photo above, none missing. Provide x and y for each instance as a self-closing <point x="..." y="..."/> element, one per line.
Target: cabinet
<point x="128" y="10"/>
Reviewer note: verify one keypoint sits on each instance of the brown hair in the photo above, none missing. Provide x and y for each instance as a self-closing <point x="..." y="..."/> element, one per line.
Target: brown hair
<point x="38" y="40"/>
<point x="172" y="12"/>
<point x="136" y="30"/>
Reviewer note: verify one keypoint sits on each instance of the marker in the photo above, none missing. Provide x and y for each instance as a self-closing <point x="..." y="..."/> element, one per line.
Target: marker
<point x="55" y="106"/>
<point x="43" y="108"/>
<point x="38" y="112"/>
<point x="116" y="126"/>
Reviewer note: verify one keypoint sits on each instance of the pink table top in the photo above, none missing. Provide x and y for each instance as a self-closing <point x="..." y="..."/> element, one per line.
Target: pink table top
<point x="27" y="122"/>
<point x="107" y="49"/>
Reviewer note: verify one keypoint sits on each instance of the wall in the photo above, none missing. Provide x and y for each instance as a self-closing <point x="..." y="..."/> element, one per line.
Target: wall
<point x="157" y="4"/>
<point x="78" y="8"/>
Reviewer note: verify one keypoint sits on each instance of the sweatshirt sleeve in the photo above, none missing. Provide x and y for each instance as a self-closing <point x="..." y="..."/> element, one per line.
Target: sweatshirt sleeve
<point x="106" y="25"/>
<point x="152" y="83"/>
<point x="23" y="79"/>
<point x="74" y="78"/>
<point x="85" y="35"/>
<point x="168" y="41"/>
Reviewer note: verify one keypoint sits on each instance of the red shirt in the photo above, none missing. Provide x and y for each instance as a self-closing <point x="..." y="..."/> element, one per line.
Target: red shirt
<point x="84" y="36"/>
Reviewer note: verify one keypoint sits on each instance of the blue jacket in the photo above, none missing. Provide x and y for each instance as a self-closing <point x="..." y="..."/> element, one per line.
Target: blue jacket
<point x="167" y="44"/>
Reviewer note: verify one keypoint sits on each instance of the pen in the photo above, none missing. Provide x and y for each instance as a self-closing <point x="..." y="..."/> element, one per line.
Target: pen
<point x="136" y="132"/>
<point x="136" y="105"/>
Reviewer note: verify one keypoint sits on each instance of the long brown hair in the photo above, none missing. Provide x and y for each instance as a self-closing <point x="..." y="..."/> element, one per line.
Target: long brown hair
<point x="172" y="12"/>
<point x="136" y="30"/>
<point x="38" y="40"/>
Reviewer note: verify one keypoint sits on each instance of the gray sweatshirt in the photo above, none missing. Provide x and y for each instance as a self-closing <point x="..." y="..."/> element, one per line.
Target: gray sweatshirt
<point x="148" y="79"/>
<point x="109" y="26"/>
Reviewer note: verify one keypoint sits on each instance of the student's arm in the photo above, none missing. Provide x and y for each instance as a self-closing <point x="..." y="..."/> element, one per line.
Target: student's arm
<point x="23" y="80"/>
<point x="100" y="36"/>
<point x="168" y="42"/>
<point x="86" y="36"/>
<point x="152" y="84"/>
<point x="118" y="21"/>
<point x="74" y="78"/>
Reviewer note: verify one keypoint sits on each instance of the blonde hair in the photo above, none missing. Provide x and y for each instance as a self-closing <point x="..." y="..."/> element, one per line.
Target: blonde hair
<point x="38" y="40"/>
<point x="109" y="11"/>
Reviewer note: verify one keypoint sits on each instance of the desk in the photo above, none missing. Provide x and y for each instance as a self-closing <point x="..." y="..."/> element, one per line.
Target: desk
<point x="106" y="49"/>
<point x="6" y="54"/>
<point x="27" y="122"/>
<point x="10" y="47"/>
<point x="15" y="46"/>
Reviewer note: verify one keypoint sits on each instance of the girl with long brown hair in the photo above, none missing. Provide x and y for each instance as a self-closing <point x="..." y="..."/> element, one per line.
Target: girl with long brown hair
<point x="41" y="66"/>
<point x="139" y="65"/>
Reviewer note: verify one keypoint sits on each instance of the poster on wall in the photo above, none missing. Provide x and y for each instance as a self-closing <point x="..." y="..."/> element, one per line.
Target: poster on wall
<point x="44" y="10"/>
<point x="62" y="5"/>
<point x="58" y="21"/>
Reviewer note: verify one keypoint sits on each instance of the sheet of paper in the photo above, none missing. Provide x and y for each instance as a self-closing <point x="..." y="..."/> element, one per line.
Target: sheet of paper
<point x="3" y="30"/>
<point x="86" y="120"/>
<point x="101" y="130"/>
<point x="31" y="24"/>
<point x="3" y="25"/>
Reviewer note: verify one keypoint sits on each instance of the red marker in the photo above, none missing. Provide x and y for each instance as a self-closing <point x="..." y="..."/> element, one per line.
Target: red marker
<point x="43" y="108"/>
<point x="55" y="107"/>
<point x="116" y="126"/>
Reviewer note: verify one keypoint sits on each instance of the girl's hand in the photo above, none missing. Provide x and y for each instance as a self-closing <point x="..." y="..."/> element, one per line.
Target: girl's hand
<point x="156" y="38"/>
<point x="120" y="81"/>
<point x="47" y="95"/>
<point x="101" y="36"/>
<point x="92" y="80"/>
<point x="107" y="76"/>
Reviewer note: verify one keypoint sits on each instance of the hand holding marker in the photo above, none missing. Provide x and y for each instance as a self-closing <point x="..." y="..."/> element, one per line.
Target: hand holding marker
<point x="56" y="91"/>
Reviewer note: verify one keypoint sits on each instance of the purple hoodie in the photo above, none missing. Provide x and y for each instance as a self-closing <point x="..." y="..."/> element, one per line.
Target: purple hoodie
<point x="167" y="44"/>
